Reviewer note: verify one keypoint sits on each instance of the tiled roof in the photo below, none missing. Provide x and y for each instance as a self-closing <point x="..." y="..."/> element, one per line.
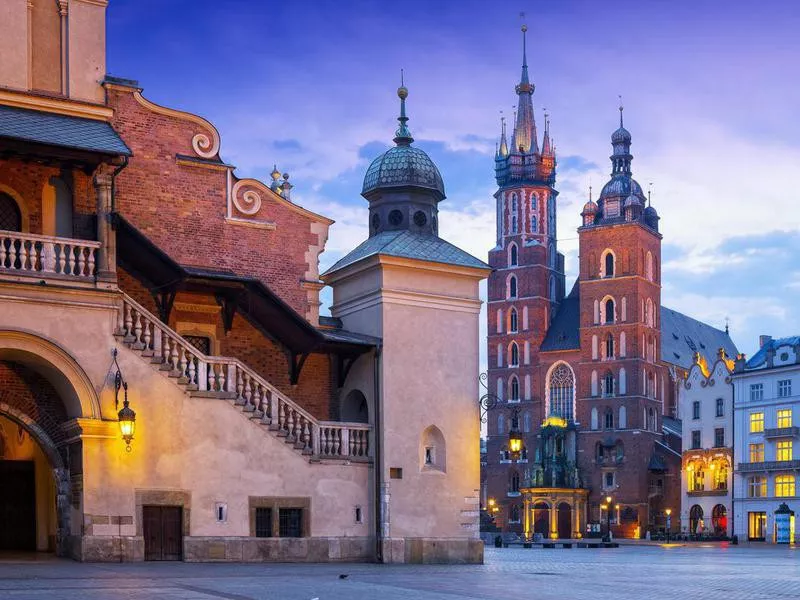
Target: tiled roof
<point x="563" y="333"/>
<point x="760" y="358"/>
<point x="407" y="244"/>
<point x="682" y="336"/>
<point x="60" y="130"/>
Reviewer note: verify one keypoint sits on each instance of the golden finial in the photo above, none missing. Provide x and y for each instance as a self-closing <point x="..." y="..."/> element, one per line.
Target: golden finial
<point x="524" y="25"/>
<point x="402" y="91"/>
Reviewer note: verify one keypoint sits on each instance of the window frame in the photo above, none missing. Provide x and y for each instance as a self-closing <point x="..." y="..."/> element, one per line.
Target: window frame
<point x="756" y="422"/>
<point x="783" y="450"/>
<point x="784" y="418"/>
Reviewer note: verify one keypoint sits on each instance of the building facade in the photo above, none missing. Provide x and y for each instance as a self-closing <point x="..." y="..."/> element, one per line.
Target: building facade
<point x="766" y="419"/>
<point x="606" y="357"/>
<point x="706" y="409"/>
<point x="140" y="272"/>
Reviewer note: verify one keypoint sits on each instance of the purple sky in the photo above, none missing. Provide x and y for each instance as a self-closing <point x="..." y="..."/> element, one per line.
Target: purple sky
<point x="711" y="91"/>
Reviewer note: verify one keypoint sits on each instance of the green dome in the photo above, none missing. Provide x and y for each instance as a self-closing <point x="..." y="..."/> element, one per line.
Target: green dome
<point x="403" y="166"/>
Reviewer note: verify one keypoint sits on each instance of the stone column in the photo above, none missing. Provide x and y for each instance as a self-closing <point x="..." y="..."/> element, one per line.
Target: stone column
<point x="106" y="262"/>
<point x="527" y="507"/>
<point x="576" y="518"/>
<point x="553" y="519"/>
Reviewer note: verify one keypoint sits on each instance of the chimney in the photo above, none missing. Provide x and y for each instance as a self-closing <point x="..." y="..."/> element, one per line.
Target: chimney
<point x="763" y="339"/>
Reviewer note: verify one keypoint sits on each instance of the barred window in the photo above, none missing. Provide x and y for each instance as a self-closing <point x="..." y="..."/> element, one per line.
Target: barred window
<point x="263" y="522"/>
<point x="290" y="522"/>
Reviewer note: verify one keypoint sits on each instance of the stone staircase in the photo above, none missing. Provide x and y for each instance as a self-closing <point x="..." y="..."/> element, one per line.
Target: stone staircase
<point x="231" y="380"/>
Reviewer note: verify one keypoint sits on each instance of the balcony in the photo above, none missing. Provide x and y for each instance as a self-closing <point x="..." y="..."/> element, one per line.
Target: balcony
<point x="781" y="432"/>
<point x="702" y="493"/>
<point x="775" y="465"/>
<point x="28" y="255"/>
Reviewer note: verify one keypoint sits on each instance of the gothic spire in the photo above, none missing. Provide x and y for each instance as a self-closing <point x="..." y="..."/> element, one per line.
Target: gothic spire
<point x="547" y="147"/>
<point x="525" y="137"/>
<point x="503" y="141"/>
<point x="402" y="137"/>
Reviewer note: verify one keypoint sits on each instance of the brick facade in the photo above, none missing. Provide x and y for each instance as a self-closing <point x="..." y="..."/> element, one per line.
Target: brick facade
<point x="25" y="390"/>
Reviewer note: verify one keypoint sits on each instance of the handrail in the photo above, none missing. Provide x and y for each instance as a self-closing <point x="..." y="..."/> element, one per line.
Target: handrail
<point x="254" y="394"/>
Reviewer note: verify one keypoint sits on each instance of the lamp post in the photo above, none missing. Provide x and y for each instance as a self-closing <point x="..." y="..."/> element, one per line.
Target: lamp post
<point x="126" y="415"/>
<point x="608" y="518"/>
<point x="669" y="521"/>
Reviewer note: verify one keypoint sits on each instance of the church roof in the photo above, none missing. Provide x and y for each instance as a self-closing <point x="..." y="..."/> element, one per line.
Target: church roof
<point x="564" y="332"/>
<point x="409" y="244"/>
<point x="682" y="336"/>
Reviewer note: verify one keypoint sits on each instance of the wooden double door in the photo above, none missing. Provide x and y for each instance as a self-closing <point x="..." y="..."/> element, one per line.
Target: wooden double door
<point x="17" y="505"/>
<point x="163" y="532"/>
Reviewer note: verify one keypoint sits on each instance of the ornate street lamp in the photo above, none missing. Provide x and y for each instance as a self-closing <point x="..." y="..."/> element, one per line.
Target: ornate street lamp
<point x="669" y="521"/>
<point x="126" y="415"/>
<point x="608" y="507"/>
<point x="489" y="401"/>
<point x="514" y="436"/>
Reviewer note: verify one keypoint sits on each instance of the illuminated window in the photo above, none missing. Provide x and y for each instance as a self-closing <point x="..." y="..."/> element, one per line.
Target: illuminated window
<point x="720" y="407"/>
<point x="784" y="486"/>
<point x="697" y="479"/>
<point x="756" y="392"/>
<point x="696" y="409"/>
<point x="721" y="476"/>
<point x="785" y="417"/>
<point x="756" y="525"/>
<point x="756" y="453"/>
<point x="783" y="450"/>
<point x="757" y="486"/>
<point x="695" y="439"/>
<point x="756" y="422"/>
<point x="784" y="388"/>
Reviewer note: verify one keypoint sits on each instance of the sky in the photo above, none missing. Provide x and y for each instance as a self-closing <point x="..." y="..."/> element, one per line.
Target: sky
<point x="710" y="88"/>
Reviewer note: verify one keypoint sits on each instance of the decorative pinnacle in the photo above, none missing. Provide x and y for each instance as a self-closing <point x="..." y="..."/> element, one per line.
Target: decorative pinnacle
<point x="402" y="137"/>
<point x="621" y="108"/>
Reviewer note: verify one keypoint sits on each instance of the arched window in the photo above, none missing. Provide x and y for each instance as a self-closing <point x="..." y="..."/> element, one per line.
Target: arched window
<point x="514" y="223"/>
<point x="648" y="269"/>
<point x="513" y="358"/>
<point x="695" y="514"/>
<point x="651" y="417"/>
<point x="512" y="320"/>
<point x="721" y="475"/>
<point x="10" y="215"/>
<point x="512" y="287"/>
<point x="608" y="264"/>
<point x="527" y="386"/>
<point x="719" y="519"/>
<point x="623" y="381"/>
<point x="501" y="424"/>
<point x="594" y="383"/>
<point x="534" y="224"/>
<point x="432" y="450"/>
<point x="500" y="388"/>
<point x="514" y="482"/>
<point x="534" y="203"/>
<point x="561" y="392"/>
<point x="608" y="420"/>
<point x="514" y="390"/>
<point x="610" y="347"/>
<point x="512" y="255"/>
<point x="608" y="384"/>
<point x="622" y="422"/>
<point x="594" y="418"/>
<point x="609" y="310"/>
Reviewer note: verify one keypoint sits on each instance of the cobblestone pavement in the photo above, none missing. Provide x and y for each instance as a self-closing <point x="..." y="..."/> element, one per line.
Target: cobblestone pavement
<point x="663" y="573"/>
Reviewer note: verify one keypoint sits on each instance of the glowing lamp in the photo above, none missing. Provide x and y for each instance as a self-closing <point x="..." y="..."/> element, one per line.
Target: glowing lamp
<point x="491" y="501"/>
<point x="668" y="511"/>
<point x="608" y="500"/>
<point x="126" y="415"/>
<point x="515" y="442"/>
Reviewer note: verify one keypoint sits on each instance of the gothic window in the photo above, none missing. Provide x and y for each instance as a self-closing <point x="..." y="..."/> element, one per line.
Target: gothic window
<point x="651" y="414"/>
<point x="514" y="515"/>
<point x="524" y="317"/>
<point x="500" y="320"/>
<point x="514" y="483"/>
<point x="514" y="390"/>
<point x="609" y="346"/>
<point x="562" y="392"/>
<point x="596" y="312"/>
<point x="534" y="224"/>
<point x="608" y="421"/>
<point x="512" y="320"/>
<point x="514" y="224"/>
<point x="609" y="310"/>
<point x="608" y="384"/>
<point x="526" y="355"/>
<point x="512" y="287"/>
<point x="534" y="199"/>
<point x="500" y="388"/>
<point x="10" y="215"/>
<point x="514" y="355"/>
<point x="624" y="309"/>
<point x="512" y="255"/>
<point x="608" y="264"/>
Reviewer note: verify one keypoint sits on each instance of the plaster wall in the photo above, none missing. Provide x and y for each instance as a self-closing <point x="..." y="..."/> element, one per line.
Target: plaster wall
<point x="14" y="44"/>
<point x="87" y="50"/>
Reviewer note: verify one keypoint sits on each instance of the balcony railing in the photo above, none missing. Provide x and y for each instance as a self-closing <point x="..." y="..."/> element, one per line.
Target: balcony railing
<point x="39" y="256"/>
<point x="779" y="432"/>
<point x="774" y="465"/>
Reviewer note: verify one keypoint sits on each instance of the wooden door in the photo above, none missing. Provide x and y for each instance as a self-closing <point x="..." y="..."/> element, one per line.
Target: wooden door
<point x="163" y="532"/>
<point x="17" y="505"/>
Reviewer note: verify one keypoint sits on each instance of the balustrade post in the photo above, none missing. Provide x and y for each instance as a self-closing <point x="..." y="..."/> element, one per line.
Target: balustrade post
<point x="345" y="449"/>
<point x="230" y="383"/>
<point x="202" y="375"/>
<point x="315" y="439"/>
<point x="48" y="257"/>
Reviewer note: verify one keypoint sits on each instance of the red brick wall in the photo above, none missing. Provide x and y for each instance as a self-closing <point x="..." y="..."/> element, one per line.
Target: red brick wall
<point x="25" y="390"/>
<point x="182" y="208"/>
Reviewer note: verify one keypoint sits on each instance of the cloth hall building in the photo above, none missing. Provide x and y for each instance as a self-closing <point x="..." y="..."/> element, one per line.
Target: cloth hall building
<point x="589" y="373"/>
<point x="168" y="388"/>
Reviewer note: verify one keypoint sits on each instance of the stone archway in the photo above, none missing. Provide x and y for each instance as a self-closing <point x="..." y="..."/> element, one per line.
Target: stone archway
<point x="60" y="473"/>
<point x="541" y="518"/>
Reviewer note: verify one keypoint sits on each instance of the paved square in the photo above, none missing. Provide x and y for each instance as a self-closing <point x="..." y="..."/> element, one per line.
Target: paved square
<point x="729" y="573"/>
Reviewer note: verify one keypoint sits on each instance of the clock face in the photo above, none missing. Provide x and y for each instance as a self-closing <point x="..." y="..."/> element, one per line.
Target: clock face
<point x="376" y="221"/>
<point x="420" y="219"/>
<point x="395" y="217"/>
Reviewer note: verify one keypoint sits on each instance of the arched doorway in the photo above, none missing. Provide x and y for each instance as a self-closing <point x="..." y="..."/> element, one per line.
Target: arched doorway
<point x="695" y="518"/>
<point x="10" y="215"/>
<point x="354" y="408"/>
<point x="719" y="519"/>
<point x="564" y="521"/>
<point x="541" y="518"/>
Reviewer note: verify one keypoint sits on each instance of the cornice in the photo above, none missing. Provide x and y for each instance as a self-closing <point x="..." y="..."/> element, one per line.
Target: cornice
<point x="61" y="106"/>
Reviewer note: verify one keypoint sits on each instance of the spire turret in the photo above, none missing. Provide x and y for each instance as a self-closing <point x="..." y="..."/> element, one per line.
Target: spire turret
<point x="503" y="141"/>
<point x="547" y="147"/>
<point x="402" y="137"/>
<point x="525" y="137"/>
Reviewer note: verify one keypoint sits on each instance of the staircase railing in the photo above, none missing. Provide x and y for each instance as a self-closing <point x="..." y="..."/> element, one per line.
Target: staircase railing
<point x="37" y="255"/>
<point x="255" y="395"/>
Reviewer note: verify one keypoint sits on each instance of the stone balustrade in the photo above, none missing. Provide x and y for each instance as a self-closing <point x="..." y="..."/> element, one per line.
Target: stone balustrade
<point x="256" y="397"/>
<point x="42" y="256"/>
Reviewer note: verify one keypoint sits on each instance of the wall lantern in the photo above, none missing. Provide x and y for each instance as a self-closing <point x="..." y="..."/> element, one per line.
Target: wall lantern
<point x="126" y="415"/>
<point x="514" y="436"/>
